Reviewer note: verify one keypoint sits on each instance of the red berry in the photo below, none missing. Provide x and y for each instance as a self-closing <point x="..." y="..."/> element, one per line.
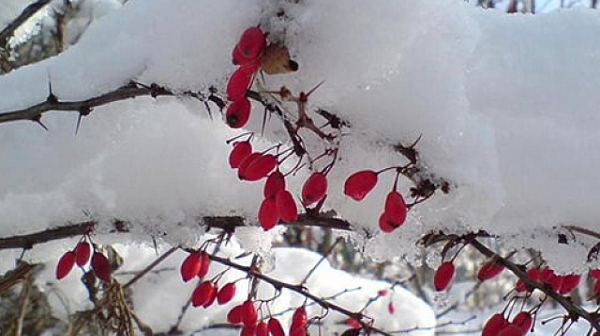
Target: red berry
<point x="300" y="317"/>
<point x="353" y="323"/>
<point x="239" y="83"/>
<point x="204" y="264"/>
<point x="382" y="292"/>
<point x="546" y="275"/>
<point x="595" y="273"/>
<point x="489" y="270"/>
<point x="243" y="168"/>
<point x="494" y="325"/>
<point x="262" y="329"/>
<point x="359" y="184"/>
<point x="238" y="113"/>
<point x="570" y="282"/>
<point x="226" y="293"/>
<point x="385" y="224"/>
<point x="65" y="264"/>
<point x="443" y="276"/>
<point x="249" y="314"/>
<point x="251" y="44"/>
<point x="190" y="266"/>
<point x="395" y="208"/>
<point x="286" y="206"/>
<point x="314" y="188"/>
<point x="82" y="253"/>
<point x="240" y="151"/>
<point x="235" y="315"/>
<point x="248" y="330"/>
<point x="534" y="274"/>
<point x="101" y="266"/>
<point x="557" y="283"/>
<point x="275" y="183"/>
<point x="213" y="296"/>
<point x="275" y="327"/>
<point x="267" y="213"/>
<point x="511" y="330"/>
<point x="523" y="320"/>
<point x="391" y="307"/>
<point x="203" y="293"/>
<point x="261" y="167"/>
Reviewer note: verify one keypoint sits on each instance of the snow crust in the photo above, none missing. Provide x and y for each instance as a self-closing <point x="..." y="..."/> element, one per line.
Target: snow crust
<point x="505" y="104"/>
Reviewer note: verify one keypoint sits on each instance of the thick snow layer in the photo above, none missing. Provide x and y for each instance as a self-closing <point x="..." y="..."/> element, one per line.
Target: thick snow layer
<point x="505" y="105"/>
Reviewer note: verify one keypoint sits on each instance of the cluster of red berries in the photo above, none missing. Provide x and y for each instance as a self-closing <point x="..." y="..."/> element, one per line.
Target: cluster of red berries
<point x="498" y="325"/>
<point x="279" y="203"/>
<point x="359" y="184"/>
<point x="197" y="264"/>
<point x="246" y="54"/>
<point x="247" y="315"/>
<point x="80" y="255"/>
<point x="561" y="284"/>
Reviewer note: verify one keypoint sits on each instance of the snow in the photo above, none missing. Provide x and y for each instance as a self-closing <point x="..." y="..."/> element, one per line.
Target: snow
<point x="505" y="106"/>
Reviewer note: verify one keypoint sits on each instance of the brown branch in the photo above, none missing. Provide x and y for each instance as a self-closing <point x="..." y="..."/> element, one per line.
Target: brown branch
<point x="83" y="107"/>
<point x="29" y="240"/>
<point x="25" y="15"/>
<point x="227" y="223"/>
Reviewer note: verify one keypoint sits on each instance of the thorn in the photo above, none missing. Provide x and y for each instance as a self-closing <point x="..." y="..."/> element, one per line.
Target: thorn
<point x="51" y="97"/>
<point x="208" y="110"/>
<point x="83" y="111"/>
<point x="38" y="120"/>
<point x="264" y="122"/>
<point x="313" y="89"/>
<point x="416" y="141"/>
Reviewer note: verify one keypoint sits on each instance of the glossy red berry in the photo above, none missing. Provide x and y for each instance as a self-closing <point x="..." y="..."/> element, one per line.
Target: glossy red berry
<point x="385" y="224"/>
<point x="353" y="323"/>
<point x="443" y="276"/>
<point x="260" y="168"/>
<point x="275" y="182"/>
<point x="243" y="168"/>
<point x="204" y="264"/>
<point x="240" y="151"/>
<point x="395" y="208"/>
<point x="533" y="274"/>
<point x="234" y="316"/>
<point x="251" y="44"/>
<point x="83" y="251"/>
<point x="300" y="317"/>
<point x="494" y="325"/>
<point x="248" y="330"/>
<point x="267" y="213"/>
<point x="286" y="206"/>
<point x="524" y="321"/>
<point x="190" y="266"/>
<point x="275" y="327"/>
<point x="226" y="293"/>
<point x="238" y="113"/>
<point x="391" y="307"/>
<point x="101" y="266"/>
<point x="511" y="330"/>
<point x="213" y="296"/>
<point x="314" y="188"/>
<point x="359" y="184"/>
<point x="595" y="273"/>
<point x="65" y="264"/>
<point x="262" y="329"/>
<point x="489" y="270"/>
<point x="570" y="282"/>
<point x="203" y="293"/>
<point x="249" y="314"/>
<point x="238" y="83"/>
